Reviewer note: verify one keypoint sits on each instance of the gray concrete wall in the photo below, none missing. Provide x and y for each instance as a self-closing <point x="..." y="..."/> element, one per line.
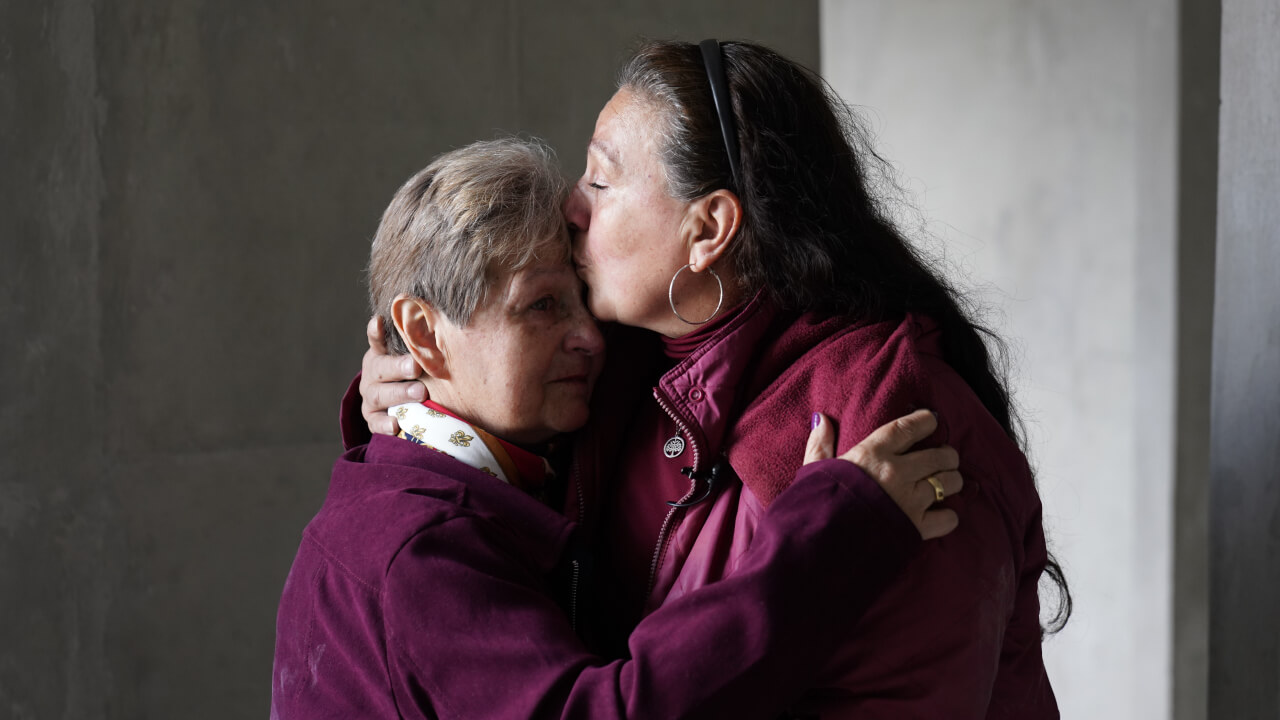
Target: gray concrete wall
<point x="187" y="191"/>
<point x="1244" y="626"/>
<point x="1039" y="141"/>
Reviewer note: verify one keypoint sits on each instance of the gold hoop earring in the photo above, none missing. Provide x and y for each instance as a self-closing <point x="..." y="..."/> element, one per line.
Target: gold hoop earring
<point x="671" y="290"/>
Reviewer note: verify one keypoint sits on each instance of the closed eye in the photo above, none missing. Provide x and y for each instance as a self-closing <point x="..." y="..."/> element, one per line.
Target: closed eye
<point x="595" y="186"/>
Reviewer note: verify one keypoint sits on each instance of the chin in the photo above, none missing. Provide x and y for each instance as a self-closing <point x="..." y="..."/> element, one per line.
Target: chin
<point x="570" y="419"/>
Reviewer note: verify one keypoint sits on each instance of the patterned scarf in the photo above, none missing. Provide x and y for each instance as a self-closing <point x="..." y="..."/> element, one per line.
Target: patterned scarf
<point x="436" y="427"/>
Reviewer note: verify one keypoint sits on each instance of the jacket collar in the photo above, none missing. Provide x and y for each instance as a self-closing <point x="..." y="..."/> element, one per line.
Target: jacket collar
<point x="390" y="464"/>
<point x="703" y="391"/>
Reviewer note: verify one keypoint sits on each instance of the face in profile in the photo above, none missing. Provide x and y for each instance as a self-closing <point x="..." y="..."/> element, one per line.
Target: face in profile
<point x="625" y="225"/>
<point x="524" y="366"/>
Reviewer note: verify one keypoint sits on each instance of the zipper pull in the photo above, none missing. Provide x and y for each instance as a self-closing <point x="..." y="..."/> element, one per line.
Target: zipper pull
<point x="712" y="477"/>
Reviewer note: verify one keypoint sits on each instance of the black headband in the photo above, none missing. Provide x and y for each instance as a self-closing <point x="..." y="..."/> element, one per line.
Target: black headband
<point x="714" y="60"/>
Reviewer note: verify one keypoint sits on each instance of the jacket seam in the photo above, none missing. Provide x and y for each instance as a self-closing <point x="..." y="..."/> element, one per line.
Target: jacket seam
<point x="341" y="566"/>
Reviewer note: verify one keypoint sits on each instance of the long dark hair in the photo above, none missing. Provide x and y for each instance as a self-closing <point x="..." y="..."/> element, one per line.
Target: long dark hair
<point x="818" y="234"/>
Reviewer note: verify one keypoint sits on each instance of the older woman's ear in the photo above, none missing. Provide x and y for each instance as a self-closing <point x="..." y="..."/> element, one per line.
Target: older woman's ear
<point x="713" y="221"/>
<point x="418" y="323"/>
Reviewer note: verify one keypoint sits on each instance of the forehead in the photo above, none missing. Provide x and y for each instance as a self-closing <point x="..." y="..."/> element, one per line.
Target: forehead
<point x="539" y="272"/>
<point x="626" y="130"/>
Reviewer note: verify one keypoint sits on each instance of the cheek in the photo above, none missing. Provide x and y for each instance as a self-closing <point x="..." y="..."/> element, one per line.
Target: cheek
<point x="623" y="255"/>
<point x="526" y="370"/>
<point x="614" y="233"/>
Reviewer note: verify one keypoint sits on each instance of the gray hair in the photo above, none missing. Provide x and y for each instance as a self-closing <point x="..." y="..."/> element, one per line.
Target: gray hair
<point x="474" y="214"/>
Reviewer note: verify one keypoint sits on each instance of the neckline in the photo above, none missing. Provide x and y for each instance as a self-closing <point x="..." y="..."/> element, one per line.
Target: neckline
<point x="679" y="348"/>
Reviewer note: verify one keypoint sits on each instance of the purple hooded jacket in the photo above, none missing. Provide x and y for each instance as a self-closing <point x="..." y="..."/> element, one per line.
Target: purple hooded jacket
<point x="423" y="588"/>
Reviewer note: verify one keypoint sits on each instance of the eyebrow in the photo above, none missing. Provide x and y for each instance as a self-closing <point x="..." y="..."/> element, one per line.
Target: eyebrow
<point x="605" y="149"/>
<point x="536" y="273"/>
<point x="511" y="299"/>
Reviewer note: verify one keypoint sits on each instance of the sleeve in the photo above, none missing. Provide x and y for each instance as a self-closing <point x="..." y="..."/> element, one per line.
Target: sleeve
<point x="355" y="431"/>
<point x="472" y="634"/>
<point x="937" y="642"/>
<point x="1022" y="687"/>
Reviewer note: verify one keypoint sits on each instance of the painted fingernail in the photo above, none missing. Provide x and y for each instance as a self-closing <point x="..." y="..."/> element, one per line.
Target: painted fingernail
<point x="815" y="421"/>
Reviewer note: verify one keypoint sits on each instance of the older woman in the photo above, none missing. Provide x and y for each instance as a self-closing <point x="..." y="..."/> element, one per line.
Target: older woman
<point x="729" y="206"/>
<point x="424" y="586"/>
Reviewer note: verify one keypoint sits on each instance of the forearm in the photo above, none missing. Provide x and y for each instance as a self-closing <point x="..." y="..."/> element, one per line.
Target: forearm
<point x="821" y="555"/>
<point x="742" y="647"/>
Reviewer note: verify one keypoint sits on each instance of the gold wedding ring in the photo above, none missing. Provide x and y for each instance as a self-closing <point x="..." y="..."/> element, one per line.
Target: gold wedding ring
<point x="937" y="488"/>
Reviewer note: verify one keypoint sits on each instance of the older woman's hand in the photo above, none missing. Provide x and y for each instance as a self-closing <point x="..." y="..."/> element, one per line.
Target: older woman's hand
<point x="386" y="381"/>
<point x="915" y="480"/>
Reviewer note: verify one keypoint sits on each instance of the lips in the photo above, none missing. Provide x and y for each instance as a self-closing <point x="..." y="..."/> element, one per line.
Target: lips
<point x="580" y="378"/>
<point x="579" y="374"/>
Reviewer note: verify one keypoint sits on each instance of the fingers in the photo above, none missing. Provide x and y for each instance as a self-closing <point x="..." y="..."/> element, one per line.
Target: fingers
<point x="822" y="440"/>
<point x="910" y="477"/>
<point x="386" y="381"/>
<point x="922" y="463"/>
<point x="925" y="494"/>
<point x="380" y="366"/>
<point x="952" y="483"/>
<point x="383" y="368"/>
<point x="897" y="436"/>
<point x="382" y="424"/>
<point x="881" y="453"/>
<point x="936" y="523"/>
<point x="377" y="341"/>
<point x="377" y="397"/>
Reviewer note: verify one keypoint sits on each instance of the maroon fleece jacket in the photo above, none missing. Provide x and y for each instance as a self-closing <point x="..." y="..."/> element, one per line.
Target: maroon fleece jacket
<point x="957" y="635"/>
<point x="423" y="588"/>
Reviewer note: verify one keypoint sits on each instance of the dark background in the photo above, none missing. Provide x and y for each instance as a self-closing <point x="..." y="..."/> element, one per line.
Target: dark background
<point x="188" y="193"/>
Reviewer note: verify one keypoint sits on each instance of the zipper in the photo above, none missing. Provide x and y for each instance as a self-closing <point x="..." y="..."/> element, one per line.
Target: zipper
<point x="573" y="596"/>
<point x="669" y="521"/>
<point x="576" y="479"/>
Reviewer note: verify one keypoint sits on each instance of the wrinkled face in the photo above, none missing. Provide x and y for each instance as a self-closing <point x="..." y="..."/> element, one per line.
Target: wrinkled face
<point x="525" y="365"/>
<point x="625" y="227"/>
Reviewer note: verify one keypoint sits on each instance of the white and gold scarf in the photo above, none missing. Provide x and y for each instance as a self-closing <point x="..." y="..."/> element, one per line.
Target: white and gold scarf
<point x="432" y="426"/>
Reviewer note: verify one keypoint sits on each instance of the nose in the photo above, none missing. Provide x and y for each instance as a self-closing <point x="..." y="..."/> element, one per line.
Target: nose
<point x="584" y="335"/>
<point x="576" y="209"/>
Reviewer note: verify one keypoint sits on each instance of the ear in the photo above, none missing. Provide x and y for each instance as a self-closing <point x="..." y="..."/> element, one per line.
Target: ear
<point x="419" y="324"/>
<point x="712" y="222"/>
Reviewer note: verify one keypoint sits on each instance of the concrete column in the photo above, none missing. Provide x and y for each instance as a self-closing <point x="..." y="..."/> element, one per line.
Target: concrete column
<point x="1244" y="621"/>
<point x="1199" y="35"/>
